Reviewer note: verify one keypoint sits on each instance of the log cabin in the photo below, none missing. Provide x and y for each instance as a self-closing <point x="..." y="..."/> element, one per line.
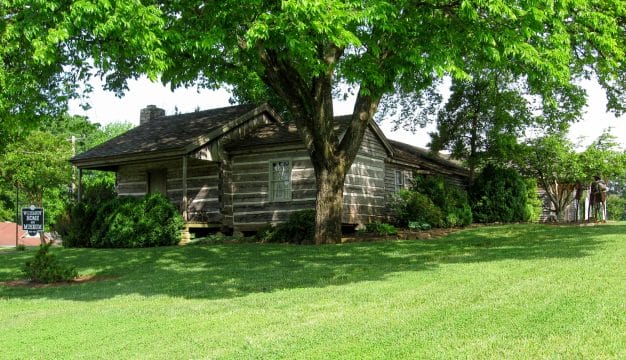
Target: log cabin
<point x="239" y="168"/>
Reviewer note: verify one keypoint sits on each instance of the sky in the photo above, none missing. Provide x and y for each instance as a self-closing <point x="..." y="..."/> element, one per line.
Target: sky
<point x="107" y="108"/>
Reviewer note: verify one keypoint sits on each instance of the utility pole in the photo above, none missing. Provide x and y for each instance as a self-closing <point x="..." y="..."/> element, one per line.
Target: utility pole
<point x="17" y="213"/>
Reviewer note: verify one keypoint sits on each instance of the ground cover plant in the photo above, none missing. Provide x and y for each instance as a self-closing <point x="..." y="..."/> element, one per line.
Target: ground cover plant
<point x="510" y="292"/>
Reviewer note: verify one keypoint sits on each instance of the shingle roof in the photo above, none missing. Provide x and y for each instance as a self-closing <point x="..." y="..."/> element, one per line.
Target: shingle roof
<point x="411" y="154"/>
<point x="278" y="133"/>
<point x="175" y="134"/>
<point x="166" y="133"/>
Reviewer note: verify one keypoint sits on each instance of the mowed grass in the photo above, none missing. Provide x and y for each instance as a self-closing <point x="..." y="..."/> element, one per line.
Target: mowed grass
<point x="505" y="292"/>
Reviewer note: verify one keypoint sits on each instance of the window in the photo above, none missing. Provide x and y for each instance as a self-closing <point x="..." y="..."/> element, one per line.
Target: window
<point x="280" y="180"/>
<point x="399" y="182"/>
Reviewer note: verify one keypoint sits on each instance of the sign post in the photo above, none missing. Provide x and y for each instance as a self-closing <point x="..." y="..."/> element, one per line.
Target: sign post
<point x="32" y="220"/>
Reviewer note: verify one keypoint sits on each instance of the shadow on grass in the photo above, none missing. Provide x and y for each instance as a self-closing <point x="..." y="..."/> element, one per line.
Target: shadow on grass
<point x="227" y="271"/>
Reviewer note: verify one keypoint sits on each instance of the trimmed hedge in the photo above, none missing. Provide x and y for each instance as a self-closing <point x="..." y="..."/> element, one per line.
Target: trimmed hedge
<point x="76" y="223"/>
<point x="499" y="195"/>
<point x="123" y="223"/>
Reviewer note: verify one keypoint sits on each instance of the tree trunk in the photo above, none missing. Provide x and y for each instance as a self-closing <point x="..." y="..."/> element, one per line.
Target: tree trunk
<point x="329" y="205"/>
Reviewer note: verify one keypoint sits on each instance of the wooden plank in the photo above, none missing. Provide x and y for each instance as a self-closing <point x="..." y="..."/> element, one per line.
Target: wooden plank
<point x="193" y="184"/>
<point x="364" y="200"/>
<point x="369" y="163"/>
<point x="364" y="181"/>
<point x="226" y="192"/>
<point x="270" y="155"/>
<point x="205" y="192"/>
<point x="268" y="206"/>
<point x="263" y="196"/>
<point x="271" y="216"/>
<point x="367" y="172"/>
<point x="138" y="188"/>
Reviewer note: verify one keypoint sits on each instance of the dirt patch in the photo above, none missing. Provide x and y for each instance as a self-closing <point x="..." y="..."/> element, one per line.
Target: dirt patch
<point x="34" y="285"/>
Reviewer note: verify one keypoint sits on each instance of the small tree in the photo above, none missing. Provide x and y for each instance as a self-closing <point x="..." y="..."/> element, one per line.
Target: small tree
<point x="499" y="194"/>
<point x="553" y="161"/>
<point x="46" y="267"/>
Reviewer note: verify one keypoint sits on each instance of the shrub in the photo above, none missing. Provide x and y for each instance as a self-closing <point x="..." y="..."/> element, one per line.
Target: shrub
<point x="409" y="205"/>
<point x="616" y="207"/>
<point x="130" y="223"/>
<point x="450" y="198"/>
<point x="381" y="229"/>
<point x="265" y="233"/>
<point x="75" y="224"/>
<point x="46" y="267"/>
<point x="534" y="205"/>
<point x="298" y="229"/>
<point x="103" y="220"/>
<point x="499" y="195"/>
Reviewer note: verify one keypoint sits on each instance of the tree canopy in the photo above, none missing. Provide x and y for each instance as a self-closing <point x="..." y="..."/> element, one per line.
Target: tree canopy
<point x="299" y="51"/>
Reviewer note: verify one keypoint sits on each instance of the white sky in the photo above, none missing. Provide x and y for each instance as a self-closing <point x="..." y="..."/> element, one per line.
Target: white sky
<point x="106" y="108"/>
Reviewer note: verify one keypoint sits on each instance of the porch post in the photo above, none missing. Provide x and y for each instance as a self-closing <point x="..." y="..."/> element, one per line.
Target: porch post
<point x="80" y="185"/>
<point x="184" y="199"/>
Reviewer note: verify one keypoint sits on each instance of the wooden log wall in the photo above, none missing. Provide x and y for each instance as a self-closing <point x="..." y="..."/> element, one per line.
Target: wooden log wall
<point x="203" y="183"/>
<point x="390" y="177"/>
<point x="247" y="204"/>
<point x="247" y="197"/>
<point x="364" y="189"/>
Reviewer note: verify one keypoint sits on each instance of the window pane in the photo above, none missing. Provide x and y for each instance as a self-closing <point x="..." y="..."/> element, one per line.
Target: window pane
<point x="280" y="180"/>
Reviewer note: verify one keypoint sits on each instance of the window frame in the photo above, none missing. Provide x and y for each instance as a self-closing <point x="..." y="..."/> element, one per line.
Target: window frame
<point x="271" y="181"/>
<point x="399" y="175"/>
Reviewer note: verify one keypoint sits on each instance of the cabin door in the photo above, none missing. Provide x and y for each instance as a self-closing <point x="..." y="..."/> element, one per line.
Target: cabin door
<point x="157" y="182"/>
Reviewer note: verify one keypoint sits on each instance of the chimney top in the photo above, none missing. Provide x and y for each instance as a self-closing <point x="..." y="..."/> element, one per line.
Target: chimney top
<point x="150" y="112"/>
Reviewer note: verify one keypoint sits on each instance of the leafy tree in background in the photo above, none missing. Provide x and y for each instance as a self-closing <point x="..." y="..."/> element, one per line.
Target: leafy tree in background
<point x="556" y="165"/>
<point x="7" y="201"/>
<point x="484" y="117"/>
<point x="604" y="158"/>
<point x="84" y="135"/>
<point x="39" y="163"/>
<point x="553" y="161"/>
<point x="298" y="52"/>
<point x="39" y="168"/>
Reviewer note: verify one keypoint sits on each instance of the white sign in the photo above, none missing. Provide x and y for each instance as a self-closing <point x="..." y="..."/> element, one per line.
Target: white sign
<point x="32" y="220"/>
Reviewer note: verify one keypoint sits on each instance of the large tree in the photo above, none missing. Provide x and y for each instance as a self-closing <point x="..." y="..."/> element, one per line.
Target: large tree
<point x="298" y="51"/>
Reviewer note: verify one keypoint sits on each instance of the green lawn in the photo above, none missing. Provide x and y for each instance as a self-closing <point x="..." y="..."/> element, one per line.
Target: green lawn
<point x="506" y="292"/>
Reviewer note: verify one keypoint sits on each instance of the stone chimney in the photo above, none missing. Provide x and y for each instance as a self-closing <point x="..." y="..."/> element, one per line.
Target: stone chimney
<point x="150" y="112"/>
